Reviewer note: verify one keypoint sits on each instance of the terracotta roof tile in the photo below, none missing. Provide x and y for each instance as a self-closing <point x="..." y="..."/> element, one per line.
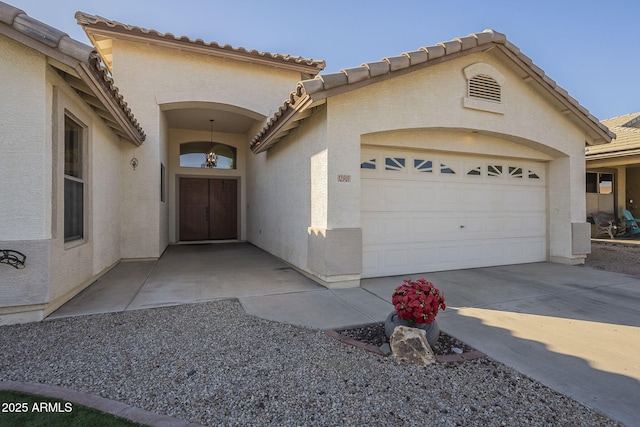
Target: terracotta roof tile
<point x="376" y="68"/>
<point x="417" y="56"/>
<point x="398" y="62"/>
<point x="89" y="22"/>
<point x="60" y="42"/>
<point x="334" y="80"/>
<point x="355" y="75"/>
<point x="372" y="70"/>
<point x="467" y="42"/>
<point x="452" y="46"/>
<point x="435" y="51"/>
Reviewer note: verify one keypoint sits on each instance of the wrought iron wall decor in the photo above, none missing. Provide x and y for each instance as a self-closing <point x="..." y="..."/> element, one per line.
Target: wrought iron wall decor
<point x="13" y="258"/>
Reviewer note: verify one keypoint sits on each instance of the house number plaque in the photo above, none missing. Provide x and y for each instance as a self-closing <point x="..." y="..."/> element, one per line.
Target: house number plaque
<point x="344" y="178"/>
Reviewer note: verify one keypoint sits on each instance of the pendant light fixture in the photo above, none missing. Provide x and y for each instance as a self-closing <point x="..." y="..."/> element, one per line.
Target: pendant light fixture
<point x="211" y="159"/>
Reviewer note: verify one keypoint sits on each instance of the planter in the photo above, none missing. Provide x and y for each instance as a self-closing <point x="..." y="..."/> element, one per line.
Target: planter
<point x="432" y="329"/>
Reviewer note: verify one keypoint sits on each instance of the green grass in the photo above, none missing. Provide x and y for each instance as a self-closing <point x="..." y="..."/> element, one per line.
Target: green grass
<point x="61" y="413"/>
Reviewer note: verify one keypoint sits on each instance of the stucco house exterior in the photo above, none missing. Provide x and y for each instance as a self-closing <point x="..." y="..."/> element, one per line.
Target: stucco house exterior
<point x="65" y="131"/>
<point x="613" y="170"/>
<point x="458" y="155"/>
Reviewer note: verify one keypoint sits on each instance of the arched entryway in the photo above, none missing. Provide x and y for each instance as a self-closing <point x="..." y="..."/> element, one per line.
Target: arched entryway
<point x="207" y="201"/>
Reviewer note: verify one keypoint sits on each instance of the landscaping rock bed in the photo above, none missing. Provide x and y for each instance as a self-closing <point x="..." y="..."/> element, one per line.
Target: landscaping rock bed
<point x="373" y="334"/>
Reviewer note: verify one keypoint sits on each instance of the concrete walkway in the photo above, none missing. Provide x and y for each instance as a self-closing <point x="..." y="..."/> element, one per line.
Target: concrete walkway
<point x="574" y="329"/>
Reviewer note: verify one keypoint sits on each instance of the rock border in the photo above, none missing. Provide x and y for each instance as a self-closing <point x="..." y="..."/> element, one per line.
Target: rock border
<point x="444" y="358"/>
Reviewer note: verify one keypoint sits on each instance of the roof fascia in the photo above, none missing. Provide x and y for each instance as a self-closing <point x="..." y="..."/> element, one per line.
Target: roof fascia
<point x="61" y="58"/>
<point x="599" y="135"/>
<point x="47" y="51"/>
<point x="286" y="121"/>
<point x="272" y="135"/>
<point x="316" y="96"/>
<point x="109" y="103"/>
<point x="612" y="155"/>
<point x="189" y="46"/>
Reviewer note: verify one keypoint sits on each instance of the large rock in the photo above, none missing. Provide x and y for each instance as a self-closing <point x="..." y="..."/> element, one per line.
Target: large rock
<point x="411" y="344"/>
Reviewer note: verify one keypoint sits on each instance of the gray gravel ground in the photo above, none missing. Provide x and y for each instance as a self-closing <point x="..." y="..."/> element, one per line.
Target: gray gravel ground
<point x="614" y="257"/>
<point x="212" y="364"/>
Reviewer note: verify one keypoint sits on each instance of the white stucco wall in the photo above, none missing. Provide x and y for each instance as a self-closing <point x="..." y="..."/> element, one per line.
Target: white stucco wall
<point x="150" y="78"/>
<point x="282" y="183"/>
<point x="24" y="164"/>
<point x="25" y="189"/>
<point x="74" y="265"/>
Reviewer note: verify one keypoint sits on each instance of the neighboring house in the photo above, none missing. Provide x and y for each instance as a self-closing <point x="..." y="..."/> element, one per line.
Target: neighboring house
<point x="613" y="170"/>
<point x="463" y="154"/>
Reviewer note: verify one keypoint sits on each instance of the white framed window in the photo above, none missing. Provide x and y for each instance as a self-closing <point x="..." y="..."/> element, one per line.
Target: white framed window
<point x="74" y="180"/>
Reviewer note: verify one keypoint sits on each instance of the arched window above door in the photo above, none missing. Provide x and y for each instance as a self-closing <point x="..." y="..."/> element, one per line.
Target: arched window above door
<point x="194" y="154"/>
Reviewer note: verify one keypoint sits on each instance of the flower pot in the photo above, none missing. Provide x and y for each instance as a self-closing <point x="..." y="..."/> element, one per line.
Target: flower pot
<point x="432" y="330"/>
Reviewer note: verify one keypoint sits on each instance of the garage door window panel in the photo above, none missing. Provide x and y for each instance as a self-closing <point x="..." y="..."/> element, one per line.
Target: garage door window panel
<point x="515" y="172"/>
<point x="422" y="166"/>
<point x="474" y="171"/>
<point x="446" y="169"/>
<point x="368" y="164"/>
<point x="394" y="163"/>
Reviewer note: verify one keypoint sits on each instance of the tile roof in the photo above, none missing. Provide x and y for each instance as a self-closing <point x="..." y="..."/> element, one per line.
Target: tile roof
<point x="626" y="142"/>
<point x="628" y="120"/>
<point x="83" y="59"/>
<point x="97" y="24"/>
<point x="309" y="92"/>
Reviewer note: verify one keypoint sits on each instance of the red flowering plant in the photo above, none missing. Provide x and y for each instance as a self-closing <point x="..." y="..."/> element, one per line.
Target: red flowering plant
<point x="417" y="302"/>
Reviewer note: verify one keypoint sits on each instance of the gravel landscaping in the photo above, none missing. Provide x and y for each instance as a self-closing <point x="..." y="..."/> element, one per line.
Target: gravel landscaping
<point x="212" y="364"/>
<point x="615" y="257"/>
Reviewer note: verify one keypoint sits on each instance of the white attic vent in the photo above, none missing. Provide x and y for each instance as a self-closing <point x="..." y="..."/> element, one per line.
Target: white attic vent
<point x="485" y="88"/>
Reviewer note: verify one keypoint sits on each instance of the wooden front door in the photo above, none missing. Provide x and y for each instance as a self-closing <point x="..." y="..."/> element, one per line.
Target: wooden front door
<point x="208" y="209"/>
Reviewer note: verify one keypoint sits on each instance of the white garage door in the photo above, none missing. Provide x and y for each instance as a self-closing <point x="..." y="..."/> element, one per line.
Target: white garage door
<point x="428" y="211"/>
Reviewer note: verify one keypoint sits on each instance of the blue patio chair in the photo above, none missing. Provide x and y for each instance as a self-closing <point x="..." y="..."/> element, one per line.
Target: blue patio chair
<point x="632" y="224"/>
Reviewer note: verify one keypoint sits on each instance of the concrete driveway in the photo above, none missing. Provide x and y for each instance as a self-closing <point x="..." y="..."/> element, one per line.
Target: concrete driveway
<point x="574" y="329"/>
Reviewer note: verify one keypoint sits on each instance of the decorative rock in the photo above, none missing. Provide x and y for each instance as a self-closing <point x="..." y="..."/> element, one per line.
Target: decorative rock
<point x="411" y="344"/>
<point x="386" y="349"/>
<point x="431" y="329"/>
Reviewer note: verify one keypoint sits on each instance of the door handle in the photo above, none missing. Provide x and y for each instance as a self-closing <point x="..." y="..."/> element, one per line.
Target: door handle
<point x="206" y="213"/>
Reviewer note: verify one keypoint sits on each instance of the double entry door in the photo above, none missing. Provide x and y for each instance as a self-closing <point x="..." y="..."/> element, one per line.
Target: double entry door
<point x="208" y="209"/>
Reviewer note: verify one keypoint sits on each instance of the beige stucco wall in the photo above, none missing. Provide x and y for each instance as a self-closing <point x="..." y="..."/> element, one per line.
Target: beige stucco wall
<point x="283" y="183"/>
<point x="24" y="165"/>
<point x="153" y="79"/>
<point x="32" y="194"/>
<point x="74" y="265"/>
